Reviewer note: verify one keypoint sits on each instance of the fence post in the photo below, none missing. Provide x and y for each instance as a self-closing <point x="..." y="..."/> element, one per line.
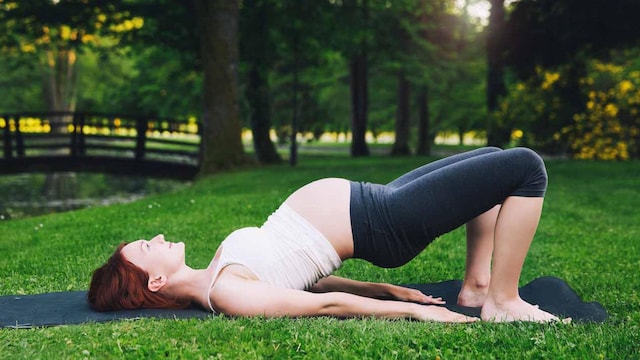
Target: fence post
<point x="7" y="137"/>
<point x="81" y="137"/>
<point x="74" y="136"/>
<point x="141" y="132"/>
<point x="19" y="138"/>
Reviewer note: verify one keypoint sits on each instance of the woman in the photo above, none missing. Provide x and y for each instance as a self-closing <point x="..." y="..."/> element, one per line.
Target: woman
<point x="284" y="267"/>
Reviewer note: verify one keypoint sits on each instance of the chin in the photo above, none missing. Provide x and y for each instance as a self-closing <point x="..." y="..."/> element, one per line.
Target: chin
<point x="181" y="249"/>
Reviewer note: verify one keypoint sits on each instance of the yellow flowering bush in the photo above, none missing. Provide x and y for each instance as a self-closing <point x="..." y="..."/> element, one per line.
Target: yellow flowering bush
<point x="599" y="119"/>
<point x="608" y="128"/>
<point x="534" y="108"/>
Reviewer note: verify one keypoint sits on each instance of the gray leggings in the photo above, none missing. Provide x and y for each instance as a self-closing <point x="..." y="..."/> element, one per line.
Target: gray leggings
<point x="393" y="223"/>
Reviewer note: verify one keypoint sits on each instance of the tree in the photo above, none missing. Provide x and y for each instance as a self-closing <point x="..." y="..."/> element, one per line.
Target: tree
<point x="57" y="32"/>
<point x="433" y="52"/>
<point x="297" y="48"/>
<point x="21" y="83"/>
<point x="401" y="144"/>
<point x="424" y="122"/>
<point x="293" y="43"/>
<point x="497" y="134"/>
<point x="359" y="75"/>
<point x="218" y="37"/>
<point x="212" y="48"/>
<point x="563" y="36"/>
<point x="256" y="51"/>
<point x="405" y="45"/>
<point x="548" y="33"/>
<point x="358" y="15"/>
<point x="433" y="34"/>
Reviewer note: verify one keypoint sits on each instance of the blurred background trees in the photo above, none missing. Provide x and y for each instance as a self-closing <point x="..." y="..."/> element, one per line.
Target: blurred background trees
<point x="560" y="76"/>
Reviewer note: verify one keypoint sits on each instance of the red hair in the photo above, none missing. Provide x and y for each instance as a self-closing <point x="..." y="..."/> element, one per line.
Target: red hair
<point x="119" y="284"/>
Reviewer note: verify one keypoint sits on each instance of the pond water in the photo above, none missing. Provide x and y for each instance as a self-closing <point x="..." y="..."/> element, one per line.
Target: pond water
<point x="26" y="195"/>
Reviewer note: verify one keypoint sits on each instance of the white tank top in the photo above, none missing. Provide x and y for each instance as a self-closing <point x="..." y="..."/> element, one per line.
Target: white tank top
<point x="286" y="251"/>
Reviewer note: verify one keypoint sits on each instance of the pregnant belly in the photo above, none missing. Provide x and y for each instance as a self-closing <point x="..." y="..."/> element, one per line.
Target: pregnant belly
<point x="325" y="204"/>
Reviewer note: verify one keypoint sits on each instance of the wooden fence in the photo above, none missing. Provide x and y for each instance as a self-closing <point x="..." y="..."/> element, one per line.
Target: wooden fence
<point x="99" y="142"/>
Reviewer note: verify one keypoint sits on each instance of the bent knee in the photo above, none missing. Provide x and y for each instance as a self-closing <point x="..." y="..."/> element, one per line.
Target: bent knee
<point x="533" y="166"/>
<point x="530" y="157"/>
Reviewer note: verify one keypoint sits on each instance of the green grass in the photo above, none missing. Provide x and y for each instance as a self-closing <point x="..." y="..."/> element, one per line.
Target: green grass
<point x="588" y="236"/>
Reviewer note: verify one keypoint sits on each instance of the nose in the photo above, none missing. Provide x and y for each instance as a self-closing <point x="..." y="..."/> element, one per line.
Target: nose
<point x="158" y="238"/>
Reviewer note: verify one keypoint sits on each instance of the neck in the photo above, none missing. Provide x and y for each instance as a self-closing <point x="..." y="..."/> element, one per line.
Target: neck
<point x="191" y="284"/>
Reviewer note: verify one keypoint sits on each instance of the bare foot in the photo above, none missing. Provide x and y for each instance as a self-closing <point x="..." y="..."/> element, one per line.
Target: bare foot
<point x="472" y="296"/>
<point x="515" y="310"/>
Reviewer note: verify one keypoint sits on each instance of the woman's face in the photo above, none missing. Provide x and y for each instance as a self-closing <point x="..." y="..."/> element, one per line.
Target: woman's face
<point x="157" y="257"/>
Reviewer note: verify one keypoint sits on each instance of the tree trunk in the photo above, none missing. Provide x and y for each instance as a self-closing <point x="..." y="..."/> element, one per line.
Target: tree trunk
<point x="60" y="85"/>
<point x="358" y="71"/>
<point x="60" y="90"/>
<point x="221" y="137"/>
<point x="258" y="98"/>
<point x="359" y="106"/>
<point x="293" y="145"/>
<point x="424" y="125"/>
<point x="497" y="134"/>
<point x="255" y="51"/>
<point x="295" y="69"/>
<point x="402" y="126"/>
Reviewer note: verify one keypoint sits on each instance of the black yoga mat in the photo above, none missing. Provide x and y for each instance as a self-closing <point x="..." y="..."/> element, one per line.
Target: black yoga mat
<point x="65" y="308"/>
<point x="552" y="294"/>
<point x="71" y="307"/>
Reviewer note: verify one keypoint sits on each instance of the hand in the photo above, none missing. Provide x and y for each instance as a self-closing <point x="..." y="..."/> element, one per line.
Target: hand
<point x="407" y="294"/>
<point x="441" y="314"/>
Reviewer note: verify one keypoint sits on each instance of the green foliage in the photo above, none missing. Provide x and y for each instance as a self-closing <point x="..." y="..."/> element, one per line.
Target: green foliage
<point x="535" y="108"/>
<point x="551" y="33"/>
<point x="31" y="24"/>
<point x="149" y="80"/>
<point x="565" y="37"/>
<point x="20" y="79"/>
<point x="587" y="236"/>
<point x="602" y="124"/>
<point x="142" y="57"/>
<point x="104" y="81"/>
<point x="609" y="127"/>
<point x="57" y="33"/>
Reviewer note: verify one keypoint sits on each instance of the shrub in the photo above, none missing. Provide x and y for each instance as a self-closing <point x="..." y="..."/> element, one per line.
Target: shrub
<point x="589" y="116"/>
<point x="608" y="128"/>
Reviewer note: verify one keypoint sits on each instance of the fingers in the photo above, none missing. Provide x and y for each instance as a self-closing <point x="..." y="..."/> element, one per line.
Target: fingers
<point x="420" y="297"/>
<point x="432" y="300"/>
<point x="429" y="299"/>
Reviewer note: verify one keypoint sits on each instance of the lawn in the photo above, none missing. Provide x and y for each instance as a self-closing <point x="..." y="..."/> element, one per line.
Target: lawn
<point x="588" y="236"/>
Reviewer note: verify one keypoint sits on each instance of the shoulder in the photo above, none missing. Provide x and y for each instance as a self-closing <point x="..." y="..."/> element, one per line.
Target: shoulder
<point x="233" y="282"/>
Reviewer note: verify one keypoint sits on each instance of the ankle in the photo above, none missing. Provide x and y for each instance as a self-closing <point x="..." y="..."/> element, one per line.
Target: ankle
<point x="501" y="299"/>
<point x="477" y="283"/>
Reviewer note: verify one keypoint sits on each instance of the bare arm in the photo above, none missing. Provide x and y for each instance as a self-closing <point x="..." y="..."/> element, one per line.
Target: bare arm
<point x="372" y="290"/>
<point x="242" y="297"/>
